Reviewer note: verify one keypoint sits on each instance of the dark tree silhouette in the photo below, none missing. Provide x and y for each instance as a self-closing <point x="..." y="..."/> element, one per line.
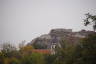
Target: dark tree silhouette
<point x="90" y="19"/>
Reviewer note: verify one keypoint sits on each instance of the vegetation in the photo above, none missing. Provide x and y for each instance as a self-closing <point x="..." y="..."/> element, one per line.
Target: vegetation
<point x="90" y="19"/>
<point x="84" y="53"/>
<point x="39" y="46"/>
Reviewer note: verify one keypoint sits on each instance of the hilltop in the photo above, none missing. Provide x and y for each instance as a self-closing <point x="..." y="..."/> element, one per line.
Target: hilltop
<point x="46" y="41"/>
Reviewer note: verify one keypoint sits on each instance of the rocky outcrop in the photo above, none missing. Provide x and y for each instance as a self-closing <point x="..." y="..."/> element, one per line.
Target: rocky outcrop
<point x="56" y="35"/>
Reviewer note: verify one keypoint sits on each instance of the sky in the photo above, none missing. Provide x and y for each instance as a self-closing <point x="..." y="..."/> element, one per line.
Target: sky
<point x="28" y="19"/>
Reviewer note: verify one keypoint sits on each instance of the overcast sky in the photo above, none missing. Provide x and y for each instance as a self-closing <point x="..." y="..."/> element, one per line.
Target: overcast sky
<point x="27" y="19"/>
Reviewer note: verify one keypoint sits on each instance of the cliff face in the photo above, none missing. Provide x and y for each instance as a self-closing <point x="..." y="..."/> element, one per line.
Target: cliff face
<point x="56" y="35"/>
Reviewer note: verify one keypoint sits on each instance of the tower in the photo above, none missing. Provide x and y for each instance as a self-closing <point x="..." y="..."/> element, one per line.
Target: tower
<point x="54" y="42"/>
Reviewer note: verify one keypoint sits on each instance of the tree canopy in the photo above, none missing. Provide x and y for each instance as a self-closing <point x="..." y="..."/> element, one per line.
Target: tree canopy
<point x="90" y="19"/>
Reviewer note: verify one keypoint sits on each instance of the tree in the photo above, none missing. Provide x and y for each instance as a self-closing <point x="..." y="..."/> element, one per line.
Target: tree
<point x="8" y="49"/>
<point x="65" y="53"/>
<point x="26" y="50"/>
<point x="90" y="19"/>
<point x="9" y="54"/>
<point x="34" y="58"/>
<point x="49" y="59"/>
<point x="85" y="53"/>
<point x="89" y="49"/>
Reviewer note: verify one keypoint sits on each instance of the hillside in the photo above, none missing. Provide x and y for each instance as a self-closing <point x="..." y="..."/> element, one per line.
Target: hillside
<point x="45" y="41"/>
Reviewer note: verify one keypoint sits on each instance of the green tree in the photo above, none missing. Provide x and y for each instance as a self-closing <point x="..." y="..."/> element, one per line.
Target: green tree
<point x="85" y="53"/>
<point x="65" y="53"/>
<point x="49" y="59"/>
<point x="34" y="58"/>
